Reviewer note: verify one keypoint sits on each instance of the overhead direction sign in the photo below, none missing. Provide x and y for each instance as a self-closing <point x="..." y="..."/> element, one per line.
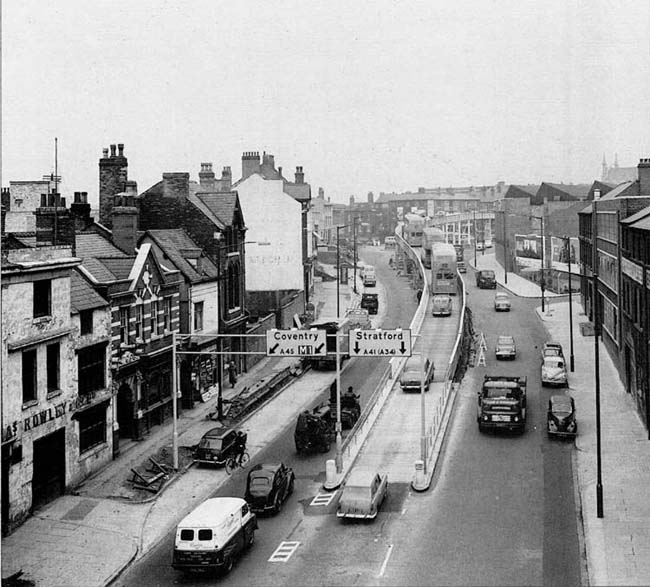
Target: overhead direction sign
<point x="380" y="343"/>
<point x="296" y="343"/>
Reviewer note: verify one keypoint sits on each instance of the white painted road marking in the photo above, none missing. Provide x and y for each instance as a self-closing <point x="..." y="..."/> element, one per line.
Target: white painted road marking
<point x="383" y="566"/>
<point x="283" y="552"/>
<point x="323" y="499"/>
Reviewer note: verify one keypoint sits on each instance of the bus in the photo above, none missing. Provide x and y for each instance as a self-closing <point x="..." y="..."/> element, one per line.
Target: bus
<point x="332" y="326"/>
<point x="443" y="269"/>
<point x="413" y="229"/>
<point x="430" y="236"/>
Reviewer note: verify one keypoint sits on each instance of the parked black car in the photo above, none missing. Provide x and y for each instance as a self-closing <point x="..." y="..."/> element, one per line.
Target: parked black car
<point x="370" y="301"/>
<point x="268" y="487"/>
<point x="561" y="416"/>
<point x="216" y="446"/>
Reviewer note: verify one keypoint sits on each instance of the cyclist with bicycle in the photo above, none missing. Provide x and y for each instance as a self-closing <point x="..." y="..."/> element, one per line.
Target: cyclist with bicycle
<point x="240" y="446"/>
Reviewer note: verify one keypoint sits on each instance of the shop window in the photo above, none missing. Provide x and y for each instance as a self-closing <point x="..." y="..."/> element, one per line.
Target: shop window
<point x="42" y="298"/>
<point x="29" y="375"/>
<point x="53" y="361"/>
<point x="198" y="316"/>
<point x="91" y="364"/>
<point x="86" y="320"/>
<point x="92" y="428"/>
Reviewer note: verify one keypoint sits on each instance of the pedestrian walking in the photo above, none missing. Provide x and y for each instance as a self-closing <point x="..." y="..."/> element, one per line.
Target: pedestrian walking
<point x="232" y="373"/>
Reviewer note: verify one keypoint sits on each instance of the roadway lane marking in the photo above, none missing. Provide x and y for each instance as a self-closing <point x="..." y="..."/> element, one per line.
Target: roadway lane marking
<point x="283" y="552"/>
<point x="385" y="563"/>
<point x="323" y="499"/>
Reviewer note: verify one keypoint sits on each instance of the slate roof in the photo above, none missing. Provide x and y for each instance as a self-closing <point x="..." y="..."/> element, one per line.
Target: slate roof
<point x="120" y="267"/>
<point x="528" y="190"/>
<point x="642" y="224"/>
<point x="579" y="191"/>
<point x="176" y="244"/>
<point x="97" y="269"/>
<point x="424" y="196"/>
<point x="641" y="214"/>
<point x="83" y="296"/>
<point x="217" y="206"/>
<point x="91" y="244"/>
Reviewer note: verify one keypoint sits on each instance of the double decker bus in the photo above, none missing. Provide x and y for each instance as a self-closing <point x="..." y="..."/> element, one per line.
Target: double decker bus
<point x="430" y="236"/>
<point x="443" y="269"/>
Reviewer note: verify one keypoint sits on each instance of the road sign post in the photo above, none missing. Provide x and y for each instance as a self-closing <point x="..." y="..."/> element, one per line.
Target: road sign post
<point x="380" y="343"/>
<point x="296" y="343"/>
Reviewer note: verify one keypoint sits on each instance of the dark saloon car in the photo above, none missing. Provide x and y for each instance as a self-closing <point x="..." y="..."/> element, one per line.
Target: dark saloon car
<point x="561" y="416"/>
<point x="268" y="486"/>
<point x="486" y="279"/>
<point x="216" y="446"/>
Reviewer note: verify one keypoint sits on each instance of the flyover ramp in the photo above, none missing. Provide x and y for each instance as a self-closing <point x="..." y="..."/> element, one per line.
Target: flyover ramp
<point x="394" y="442"/>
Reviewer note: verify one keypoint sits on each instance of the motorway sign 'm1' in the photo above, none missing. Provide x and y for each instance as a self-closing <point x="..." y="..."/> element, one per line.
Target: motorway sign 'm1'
<point x="380" y="343"/>
<point x="296" y="343"/>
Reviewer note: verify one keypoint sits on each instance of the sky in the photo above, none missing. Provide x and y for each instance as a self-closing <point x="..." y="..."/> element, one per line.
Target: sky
<point x="366" y="96"/>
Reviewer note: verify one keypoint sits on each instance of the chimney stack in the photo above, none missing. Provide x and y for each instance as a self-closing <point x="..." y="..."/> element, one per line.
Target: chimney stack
<point x="113" y="174"/>
<point x="54" y="223"/>
<point x="80" y="210"/>
<point x="176" y="185"/>
<point x="643" y="170"/>
<point x="124" y="216"/>
<point x="206" y="178"/>
<point x="250" y="163"/>
<point x="226" y="179"/>
<point x="300" y="176"/>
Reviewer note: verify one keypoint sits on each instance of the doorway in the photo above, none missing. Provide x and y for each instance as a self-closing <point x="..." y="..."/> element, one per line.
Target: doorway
<point x="48" y="478"/>
<point x="125" y="411"/>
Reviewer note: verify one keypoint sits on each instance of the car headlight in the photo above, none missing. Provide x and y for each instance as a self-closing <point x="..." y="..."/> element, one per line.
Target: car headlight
<point x="571" y="427"/>
<point x="516" y="418"/>
<point x="552" y="425"/>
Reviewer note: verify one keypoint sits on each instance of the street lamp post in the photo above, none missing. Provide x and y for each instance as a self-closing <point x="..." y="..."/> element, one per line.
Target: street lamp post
<point x="354" y="240"/>
<point x="505" y="246"/>
<point x="338" y="269"/>
<point x="474" y="226"/>
<point x="542" y="284"/>
<point x="568" y="249"/>
<point x="594" y="231"/>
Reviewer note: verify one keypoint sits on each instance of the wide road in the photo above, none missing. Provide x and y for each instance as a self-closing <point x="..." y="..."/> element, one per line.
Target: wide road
<point x="299" y="520"/>
<point x="501" y="510"/>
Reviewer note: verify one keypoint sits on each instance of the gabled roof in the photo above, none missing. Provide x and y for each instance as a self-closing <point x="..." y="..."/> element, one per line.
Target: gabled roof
<point x="579" y="191"/>
<point x="620" y="191"/>
<point x="217" y="206"/>
<point x="521" y="191"/>
<point x="83" y="296"/>
<point x="120" y="268"/>
<point x="642" y="224"/>
<point x="97" y="270"/>
<point x="176" y="244"/>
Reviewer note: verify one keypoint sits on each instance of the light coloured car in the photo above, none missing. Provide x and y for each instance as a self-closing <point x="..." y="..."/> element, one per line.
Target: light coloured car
<point x="553" y="371"/>
<point x="505" y="347"/>
<point x="552" y="349"/>
<point x="501" y="302"/>
<point x="363" y="493"/>
<point x="411" y="375"/>
<point x="441" y="305"/>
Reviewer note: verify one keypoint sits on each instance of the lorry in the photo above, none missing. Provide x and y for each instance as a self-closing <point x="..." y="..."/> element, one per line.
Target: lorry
<point x="502" y="403"/>
<point x="314" y="430"/>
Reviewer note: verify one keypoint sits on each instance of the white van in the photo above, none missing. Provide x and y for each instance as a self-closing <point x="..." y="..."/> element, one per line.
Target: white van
<point x="213" y="534"/>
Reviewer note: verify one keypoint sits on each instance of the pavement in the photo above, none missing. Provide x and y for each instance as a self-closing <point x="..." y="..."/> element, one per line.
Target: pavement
<point x="89" y="537"/>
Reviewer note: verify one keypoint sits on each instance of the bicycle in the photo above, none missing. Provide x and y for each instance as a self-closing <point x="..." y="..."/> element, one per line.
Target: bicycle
<point x="238" y="461"/>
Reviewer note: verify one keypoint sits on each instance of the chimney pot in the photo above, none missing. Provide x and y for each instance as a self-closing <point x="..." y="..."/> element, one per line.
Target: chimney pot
<point x="112" y="150"/>
<point x="120" y="149"/>
<point x="105" y="152"/>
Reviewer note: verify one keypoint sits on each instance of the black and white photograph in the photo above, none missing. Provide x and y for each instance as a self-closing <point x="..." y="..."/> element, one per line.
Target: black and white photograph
<point x="325" y="293"/>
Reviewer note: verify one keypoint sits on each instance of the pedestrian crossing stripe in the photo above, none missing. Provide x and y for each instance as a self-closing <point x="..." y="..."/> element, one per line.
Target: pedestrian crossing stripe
<point x="283" y="552"/>
<point x="323" y="499"/>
